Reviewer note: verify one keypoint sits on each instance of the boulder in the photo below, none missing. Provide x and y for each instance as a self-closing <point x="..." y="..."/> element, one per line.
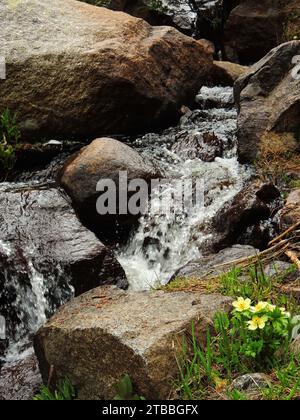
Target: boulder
<point x="215" y="264"/>
<point x="226" y="73"/>
<point x="290" y="214"/>
<point x="113" y="74"/>
<point x="46" y="256"/>
<point x="249" y="207"/>
<point x="268" y="97"/>
<point x="97" y="338"/>
<point x="103" y="159"/>
<point x="252" y="30"/>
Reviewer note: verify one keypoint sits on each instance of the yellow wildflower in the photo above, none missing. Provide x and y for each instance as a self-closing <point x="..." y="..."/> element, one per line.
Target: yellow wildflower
<point x="259" y="307"/>
<point x="257" y="322"/>
<point x="271" y="308"/>
<point x="242" y="304"/>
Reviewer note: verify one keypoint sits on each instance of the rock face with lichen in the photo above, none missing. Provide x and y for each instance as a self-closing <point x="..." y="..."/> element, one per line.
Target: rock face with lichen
<point x="112" y="74"/>
<point x="107" y="333"/>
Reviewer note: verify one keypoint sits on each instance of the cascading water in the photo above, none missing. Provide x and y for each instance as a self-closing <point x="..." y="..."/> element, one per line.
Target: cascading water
<point x="32" y="285"/>
<point x="202" y="146"/>
<point x="184" y="13"/>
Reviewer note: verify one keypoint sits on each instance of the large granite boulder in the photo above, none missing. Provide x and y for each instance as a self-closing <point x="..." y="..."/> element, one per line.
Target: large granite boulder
<point x="97" y="338"/>
<point x="77" y="70"/>
<point x="268" y="97"/>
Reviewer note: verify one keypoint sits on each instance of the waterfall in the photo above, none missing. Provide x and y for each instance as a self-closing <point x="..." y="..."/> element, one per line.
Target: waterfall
<point x="164" y="243"/>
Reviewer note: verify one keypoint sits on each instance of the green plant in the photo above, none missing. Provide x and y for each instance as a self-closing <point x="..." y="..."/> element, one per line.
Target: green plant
<point x="9" y="130"/>
<point x="260" y="331"/>
<point x="252" y="282"/>
<point x="236" y="395"/>
<point x="9" y="138"/>
<point x="124" y="389"/>
<point x="157" y="6"/>
<point x="64" y="391"/>
<point x="253" y="338"/>
<point x="286" y="384"/>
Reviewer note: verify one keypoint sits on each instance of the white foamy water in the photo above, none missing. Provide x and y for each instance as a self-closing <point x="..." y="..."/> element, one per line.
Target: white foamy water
<point x="164" y="243"/>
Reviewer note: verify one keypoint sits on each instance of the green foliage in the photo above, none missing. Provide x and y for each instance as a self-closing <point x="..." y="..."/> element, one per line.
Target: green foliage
<point x="251" y="339"/>
<point x="259" y="332"/>
<point x="124" y="389"/>
<point x="254" y="284"/>
<point x="157" y="6"/>
<point x="295" y="183"/>
<point x="236" y="395"/>
<point x="9" y="138"/>
<point x="65" y="391"/>
<point x="287" y="382"/>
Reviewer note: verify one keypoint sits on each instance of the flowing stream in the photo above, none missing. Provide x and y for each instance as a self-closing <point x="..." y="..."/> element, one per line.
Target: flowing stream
<point x="202" y="146"/>
<point x="165" y="242"/>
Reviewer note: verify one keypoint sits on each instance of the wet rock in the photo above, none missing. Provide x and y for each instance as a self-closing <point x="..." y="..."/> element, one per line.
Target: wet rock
<point x="248" y="208"/>
<point x="251" y="382"/>
<point x="260" y="234"/>
<point x="226" y="73"/>
<point x="20" y="380"/>
<point x="211" y="265"/>
<point x="104" y="159"/>
<point x="290" y="214"/>
<point x="46" y="256"/>
<point x="206" y="146"/>
<point x="72" y="80"/>
<point x="269" y="102"/>
<point x="88" y="341"/>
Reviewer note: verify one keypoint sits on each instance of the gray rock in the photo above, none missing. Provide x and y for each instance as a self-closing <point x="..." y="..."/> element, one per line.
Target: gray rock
<point x="208" y="265"/>
<point x="97" y="338"/>
<point x="290" y="214"/>
<point x="276" y="267"/>
<point x="250" y="382"/>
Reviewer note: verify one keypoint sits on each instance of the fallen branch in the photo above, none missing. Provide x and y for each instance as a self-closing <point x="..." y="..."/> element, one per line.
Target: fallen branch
<point x="285" y="233"/>
<point x="280" y="248"/>
<point x="293" y="257"/>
